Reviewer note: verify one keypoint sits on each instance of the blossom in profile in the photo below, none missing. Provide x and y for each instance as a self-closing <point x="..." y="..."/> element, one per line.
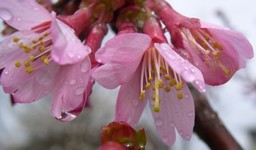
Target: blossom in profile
<point x="43" y="56"/>
<point x="218" y="52"/>
<point x="154" y="73"/>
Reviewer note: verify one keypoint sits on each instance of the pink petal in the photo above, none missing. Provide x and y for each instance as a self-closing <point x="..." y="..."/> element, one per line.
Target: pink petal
<point x="67" y="48"/>
<point x="23" y="14"/>
<point x="129" y="107"/>
<point x="174" y="113"/>
<point x="10" y="50"/>
<point x="68" y="95"/>
<point x="182" y="67"/>
<point x="233" y="42"/>
<point x="30" y="89"/>
<point x="124" y="47"/>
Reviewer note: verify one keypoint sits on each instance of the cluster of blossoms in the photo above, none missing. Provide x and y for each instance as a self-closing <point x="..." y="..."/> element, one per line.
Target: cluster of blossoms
<point x="60" y="54"/>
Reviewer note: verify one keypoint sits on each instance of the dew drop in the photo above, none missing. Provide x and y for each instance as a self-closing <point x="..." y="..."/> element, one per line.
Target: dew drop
<point x="79" y="91"/>
<point x="85" y="66"/>
<point x="5" y="14"/>
<point x="159" y="122"/>
<point x="18" y="19"/>
<point x="199" y="85"/>
<point x="72" y="82"/>
<point x="36" y="8"/>
<point x="187" y="137"/>
<point x="99" y="60"/>
<point x="135" y="102"/>
<point x="6" y="72"/>
<point x="44" y="78"/>
<point x="71" y="54"/>
<point x="128" y="145"/>
<point x="165" y="47"/>
<point x="190" y="114"/>
<point x="187" y="75"/>
<point x="87" y="49"/>
<point x="192" y="70"/>
<point x="180" y="132"/>
<point x="165" y="139"/>
<point x="172" y="124"/>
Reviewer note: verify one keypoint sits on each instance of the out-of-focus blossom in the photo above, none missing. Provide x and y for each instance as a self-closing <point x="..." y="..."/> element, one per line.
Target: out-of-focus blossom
<point x="43" y="56"/>
<point x="218" y="52"/>
<point x="120" y="135"/>
<point x="150" y="72"/>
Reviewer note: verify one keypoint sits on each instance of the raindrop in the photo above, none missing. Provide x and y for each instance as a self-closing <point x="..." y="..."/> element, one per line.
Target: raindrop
<point x="135" y="102"/>
<point x="18" y="19"/>
<point x="35" y="8"/>
<point x="87" y="49"/>
<point x="85" y="66"/>
<point x="187" y="75"/>
<point x="165" y="139"/>
<point x="190" y="114"/>
<point x="141" y="146"/>
<point x="71" y="54"/>
<point x="192" y="70"/>
<point x="72" y="82"/>
<point x="6" y="72"/>
<point x="128" y="145"/>
<point x="44" y="78"/>
<point x="165" y="47"/>
<point x="159" y="122"/>
<point x="187" y="137"/>
<point x="172" y="124"/>
<point x="5" y="14"/>
<point x="79" y="91"/>
<point x="99" y="60"/>
<point x="180" y="132"/>
<point x="199" y="85"/>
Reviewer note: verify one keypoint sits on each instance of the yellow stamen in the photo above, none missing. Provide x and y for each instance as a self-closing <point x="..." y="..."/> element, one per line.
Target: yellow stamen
<point x="207" y="52"/>
<point x="15" y="39"/>
<point x="20" y="45"/>
<point x="31" y="57"/>
<point x="17" y="64"/>
<point x="172" y="82"/>
<point x="167" y="89"/>
<point x="180" y="96"/>
<point x="147" y="85"/>
<point x="41" y="48"/>
<point x="179" y="86"/>
<point x="27" y="64"/>
<point x="30" y="69"/>
<point x="167" y="76"/>
<point x="216" y="53"/>
<point x="142" y="94"/>
<point x="27" y="48"/>
<point x="34" y="41"/>
<point x="156" y="107"/>
<point x="160" y="83"/>
<point x="46" y="61"/>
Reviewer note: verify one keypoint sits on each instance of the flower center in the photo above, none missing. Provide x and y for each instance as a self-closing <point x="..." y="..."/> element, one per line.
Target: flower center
<point x="157" y="75"/>
<point x="35" y="49"/>
<point x="208" y="49"/>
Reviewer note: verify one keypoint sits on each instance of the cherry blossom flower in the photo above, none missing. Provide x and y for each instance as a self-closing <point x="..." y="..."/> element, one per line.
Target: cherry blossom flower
<point x="218" y="52"/>
<point x="43" y="56"/>
<point x="151" y="72"/>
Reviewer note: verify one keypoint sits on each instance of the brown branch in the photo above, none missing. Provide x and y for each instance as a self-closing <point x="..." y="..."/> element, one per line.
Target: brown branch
<point x="209" y="127"/>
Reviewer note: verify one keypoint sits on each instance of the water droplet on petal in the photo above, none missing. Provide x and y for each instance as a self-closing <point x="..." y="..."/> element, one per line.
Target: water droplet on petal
<point x="128" y="145"/>
<point x="85" y="66"/>
<point x="6" y="72"/>
<point x="35" y="8"/>
<point x="43" y="78"/>
<point x="187" y="75"/>
<point x="87" y="49"/>
<point x="18" y="19"/>
<point x="190" y="114"/>
<point x="199" y="85"/>
<point x="99" y="60"/>
<point x="79" y="91"/>
<point x="71" y="54"/>
<point x="72" y="82"/>
<point x="165" y="47"/>
<point x="135" y="102"/>
<point x="165" y="139"/>
<point x="159" y="121"/>
<point x="180" y="132"/>
<point x="187" y="137"/>
<point x="5" y="14"/>
<point x="172" y="124"/>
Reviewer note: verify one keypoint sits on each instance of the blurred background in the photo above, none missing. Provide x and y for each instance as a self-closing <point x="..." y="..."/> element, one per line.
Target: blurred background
<point x="31" y="127"/>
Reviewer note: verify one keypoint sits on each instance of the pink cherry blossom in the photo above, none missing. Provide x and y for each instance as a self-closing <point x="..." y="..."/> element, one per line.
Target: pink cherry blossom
<point x="154" y="73"/>
<point x="218" y="52"/>
<point x="44" y="56"/>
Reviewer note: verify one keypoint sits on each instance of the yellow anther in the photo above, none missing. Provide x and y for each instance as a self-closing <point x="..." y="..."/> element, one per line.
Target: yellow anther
<point x="30" y="69"/>
<point x="167" y="76"/>
<point x="46" y="34"/>
<point x="167" y="89"/>
<point x="154" y="97"/>
<point x="179" y="95"/>
<point x="217" y="45"/>
<point x="27" y="48"/>
<point x="41" y="42"/>
<point x="40" y="38"/>
<point x="15" y="39"/>
<point x="162" y="67"/>
<point x="46" y="61"/>
<point x="225" y="69"/>
<point x="216" y="53"/>
<point x="41" y="48"/>
<point x="179" y="86"/>
<point x="207" y="52"/>
<point x="43" y="57"/>
<point x="147" y="85"/>
<point x="142" y="94"/>
<point x="34" y="41"/>
<point x="160" y="83"/>
<point x="150" y="78"/>
<point x="172" y="82"/>
<point x="31" y="57"/>
<point x="154" y="87"/>
<point x="156" y="108"/>
<point x="204" y="44"/>
<point x="17" y="64"/>
<point x="27" y="64"/>
<point x="20" y="45"/>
